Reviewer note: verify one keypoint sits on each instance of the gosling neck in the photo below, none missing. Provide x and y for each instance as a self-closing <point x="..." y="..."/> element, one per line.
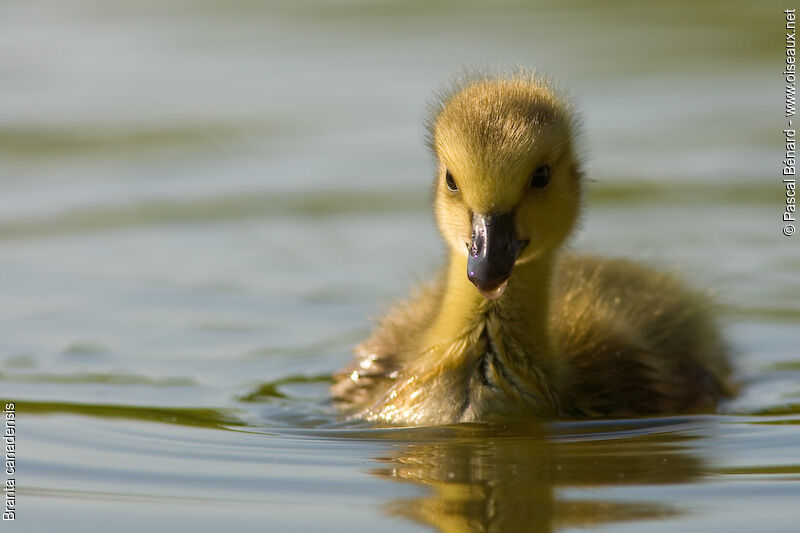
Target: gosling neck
<point x="524" y="308"/>
<point x="520" y="313"/>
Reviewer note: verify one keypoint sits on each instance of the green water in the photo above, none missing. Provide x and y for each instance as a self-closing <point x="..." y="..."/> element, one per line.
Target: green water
<point x="202" y="204"/>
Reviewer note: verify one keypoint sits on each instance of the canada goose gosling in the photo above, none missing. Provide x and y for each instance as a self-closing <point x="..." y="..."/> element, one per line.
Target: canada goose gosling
<point x="513" y="327"/>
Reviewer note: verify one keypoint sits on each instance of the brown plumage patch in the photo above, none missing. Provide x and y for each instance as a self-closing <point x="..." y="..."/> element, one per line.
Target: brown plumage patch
<point x="636" y="341"/>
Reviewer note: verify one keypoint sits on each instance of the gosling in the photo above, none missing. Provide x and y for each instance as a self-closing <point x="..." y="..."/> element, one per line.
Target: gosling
<point x="513" y="327"/>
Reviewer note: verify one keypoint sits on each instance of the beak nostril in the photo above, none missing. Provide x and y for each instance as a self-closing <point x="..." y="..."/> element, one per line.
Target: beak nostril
<point x="478" y="245"/>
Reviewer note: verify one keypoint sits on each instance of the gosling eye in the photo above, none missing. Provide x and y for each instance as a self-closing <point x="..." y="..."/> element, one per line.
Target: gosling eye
<point x="451" y="183"/>
<point x="540" y="177"/>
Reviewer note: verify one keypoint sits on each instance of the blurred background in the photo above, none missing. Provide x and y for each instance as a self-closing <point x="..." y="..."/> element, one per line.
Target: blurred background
<point x="201" y="204"/>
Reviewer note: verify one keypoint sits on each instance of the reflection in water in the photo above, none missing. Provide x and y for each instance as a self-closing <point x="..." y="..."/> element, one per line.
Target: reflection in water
<point x="510" y="482"/>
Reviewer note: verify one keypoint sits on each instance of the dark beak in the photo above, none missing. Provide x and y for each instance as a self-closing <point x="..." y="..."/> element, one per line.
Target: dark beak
<point x="492" y="253"/>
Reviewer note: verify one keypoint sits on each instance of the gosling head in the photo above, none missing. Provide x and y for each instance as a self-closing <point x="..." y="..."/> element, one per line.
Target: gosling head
<point x="508" y="187"/>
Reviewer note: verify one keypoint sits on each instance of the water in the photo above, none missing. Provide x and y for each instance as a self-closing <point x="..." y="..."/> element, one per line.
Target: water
<point x="201" y="204"/>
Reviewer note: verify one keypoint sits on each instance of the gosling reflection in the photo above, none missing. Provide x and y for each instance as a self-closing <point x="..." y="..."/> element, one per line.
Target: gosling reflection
<point x="493" y="480"/>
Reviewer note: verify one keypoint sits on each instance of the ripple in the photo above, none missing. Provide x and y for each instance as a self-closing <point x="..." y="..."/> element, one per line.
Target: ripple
<point x="48" y="141"/>
<point x="197" y="417"/>
<point x="86" y="379"/>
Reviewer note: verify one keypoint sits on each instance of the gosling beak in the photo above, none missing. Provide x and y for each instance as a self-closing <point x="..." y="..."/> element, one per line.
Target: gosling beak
<point x="492" y="253"/>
